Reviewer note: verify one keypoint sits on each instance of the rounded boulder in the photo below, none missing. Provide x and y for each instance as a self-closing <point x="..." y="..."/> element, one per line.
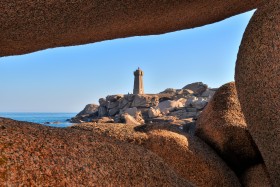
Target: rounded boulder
<point x="222" y="125"/>
<point x="187" y="155"/>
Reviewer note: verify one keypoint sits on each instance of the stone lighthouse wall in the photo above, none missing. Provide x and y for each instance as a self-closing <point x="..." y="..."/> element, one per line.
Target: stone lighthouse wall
<point x="138" y="82"/>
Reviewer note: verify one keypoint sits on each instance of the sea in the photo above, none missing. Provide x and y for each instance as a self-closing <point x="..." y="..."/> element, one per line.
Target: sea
<point x="59" y="120"/>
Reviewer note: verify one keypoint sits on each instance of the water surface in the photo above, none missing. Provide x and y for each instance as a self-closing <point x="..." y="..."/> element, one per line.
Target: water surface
<point x="49" y="119"/>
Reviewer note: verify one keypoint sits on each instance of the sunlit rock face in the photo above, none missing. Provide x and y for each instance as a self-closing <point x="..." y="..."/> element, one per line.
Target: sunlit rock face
<point x="187" y="155"/>
<point x="35" y="155"/>
<point x="28" y="26"/>
<point x="257" y="80"/>
<point x="222" y="125"/>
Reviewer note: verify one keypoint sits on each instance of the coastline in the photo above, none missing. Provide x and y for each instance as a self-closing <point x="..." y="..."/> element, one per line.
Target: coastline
<point x="43" y="118"/>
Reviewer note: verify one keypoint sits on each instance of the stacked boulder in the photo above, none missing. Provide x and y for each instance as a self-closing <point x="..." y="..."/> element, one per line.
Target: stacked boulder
<point x="171" y="104"/>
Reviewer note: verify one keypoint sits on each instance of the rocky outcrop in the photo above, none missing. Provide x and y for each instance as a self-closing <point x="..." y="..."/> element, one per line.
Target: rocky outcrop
<point x="128" y="119"/>
<point x="131" y="111"/>
<point x="154" y="112"/>
<point x="209" y="93"/>
<point x="89" y="109"/>
<point x="25" y="26"/>
<point x="103" y="120"/>
<point x="176" y="93"/>
<point x="197" y="87"/>
<point x="180" y="103"/>
<point x="222" y="125"/>
<point x="166" y="106"/>
<point x="145" y="101"/>
<point x="35" y="155"/>
<point x="184" y="113"/>
<point x="257" y="79"/>
<point x="187" y="155"/>
<point x="195" y="102"/>
<point x="256" y="176"/>
<point x="89" y="113"/>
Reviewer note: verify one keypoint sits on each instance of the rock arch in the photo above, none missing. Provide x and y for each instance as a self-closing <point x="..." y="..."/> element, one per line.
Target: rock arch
<point x="28" y="26"/>
<point x="31" y="26"/>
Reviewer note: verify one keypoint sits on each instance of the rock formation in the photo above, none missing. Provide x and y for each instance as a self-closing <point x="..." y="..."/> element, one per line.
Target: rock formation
<point x="35" y="155"/>
<point x="257" y="79"/>
<point x="192" y="159"/>
<point x="130" y="120"/>
<point x="222" y="125"/>
<point x="89" y="113"/>
<point x="197" y="87"/>
<point x="166" y="106"/>
<point x="89" y="109"/>
<point x="256" y="176"/>
<point x="188" y="156"/>
<point x="178" y="103"/>
<point x="31" y="26"/>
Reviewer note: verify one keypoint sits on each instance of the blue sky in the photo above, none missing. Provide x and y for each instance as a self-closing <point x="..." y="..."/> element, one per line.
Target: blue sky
<point x="66" y="79"/>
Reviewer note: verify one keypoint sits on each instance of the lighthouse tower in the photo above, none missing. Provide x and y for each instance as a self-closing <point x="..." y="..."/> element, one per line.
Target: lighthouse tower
<point x="138" y="82"/>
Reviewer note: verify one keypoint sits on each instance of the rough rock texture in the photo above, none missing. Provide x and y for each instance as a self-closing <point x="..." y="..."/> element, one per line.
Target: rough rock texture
<point x="208" y="93"/>
<point x="103" y="120"/>
<point x="139" y="117"/>
<point x="182" y="113"/>
<point x="256" y="176"/>
<point x="257" y="71"/>
<point x="27" y="26"/>
<point x="195" y="102"/>
<point x="131" y="111"/>
<point x="145" y="101"/>
<point x="197" y="87"/>
<point x="154" y="112"/>
<point x="89" y="109"/>
<point x="185" y="151"/>
<point x="190" y="157"/>
<point x="169" y="105"/>
<point x="34" y="155"/>
<point x="222" y="125"/>
<point x="182" y="103"/>
<point x="102" y="111"/>
<point x="128" y="119"/>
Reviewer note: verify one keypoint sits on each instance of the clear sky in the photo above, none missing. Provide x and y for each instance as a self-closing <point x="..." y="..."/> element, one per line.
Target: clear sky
<point x="66" y="79"/>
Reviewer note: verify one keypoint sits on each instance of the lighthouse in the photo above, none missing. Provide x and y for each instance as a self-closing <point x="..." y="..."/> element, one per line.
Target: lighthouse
<point x="138" y="82"/>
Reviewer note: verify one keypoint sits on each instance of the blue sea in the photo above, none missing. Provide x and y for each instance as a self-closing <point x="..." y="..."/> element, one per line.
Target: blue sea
<point x="48" y="119"/>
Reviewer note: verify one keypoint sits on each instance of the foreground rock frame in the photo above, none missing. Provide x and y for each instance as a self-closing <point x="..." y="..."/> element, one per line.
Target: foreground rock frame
<point x="32" y="26"/>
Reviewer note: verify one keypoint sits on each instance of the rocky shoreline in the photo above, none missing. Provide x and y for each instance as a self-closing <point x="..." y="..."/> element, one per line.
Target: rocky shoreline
<point x="214" y="150"/>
